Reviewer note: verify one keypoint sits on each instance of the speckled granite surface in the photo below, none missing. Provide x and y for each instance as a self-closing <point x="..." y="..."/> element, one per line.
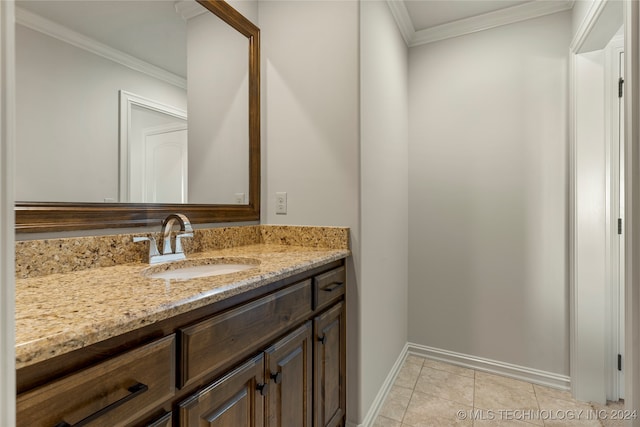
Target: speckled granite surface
<point x="43" y="257"/>
<point x="105" y="293"/>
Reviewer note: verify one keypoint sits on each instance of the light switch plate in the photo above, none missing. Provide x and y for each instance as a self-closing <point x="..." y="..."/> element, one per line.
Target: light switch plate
<point x="239" y="198"/>
<point x="281" y="203"/>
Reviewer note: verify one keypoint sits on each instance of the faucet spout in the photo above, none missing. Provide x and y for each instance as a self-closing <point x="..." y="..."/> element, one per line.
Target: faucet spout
<point x="167" y="226"/>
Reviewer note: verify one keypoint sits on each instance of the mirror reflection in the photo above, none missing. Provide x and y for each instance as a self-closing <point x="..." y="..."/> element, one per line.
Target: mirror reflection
<point x="130" y="101"/>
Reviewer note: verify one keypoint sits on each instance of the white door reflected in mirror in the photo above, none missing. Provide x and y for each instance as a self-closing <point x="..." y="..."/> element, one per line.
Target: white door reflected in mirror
<point x="153" y="151"/>
<point x="166" y="166"/>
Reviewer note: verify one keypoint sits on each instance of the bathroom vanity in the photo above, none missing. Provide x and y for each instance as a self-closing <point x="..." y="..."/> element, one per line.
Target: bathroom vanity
<point x="110" y="346"/>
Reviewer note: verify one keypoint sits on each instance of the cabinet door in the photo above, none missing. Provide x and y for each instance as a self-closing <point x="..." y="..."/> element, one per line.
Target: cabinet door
<point x="235" y="400"/>
<point x="330" y="367"/>
<point x="289" y="368"/>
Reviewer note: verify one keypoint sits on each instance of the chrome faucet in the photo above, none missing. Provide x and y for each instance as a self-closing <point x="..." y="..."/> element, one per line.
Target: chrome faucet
<point x="168" y="254"/>
<point x="167" y="226"/>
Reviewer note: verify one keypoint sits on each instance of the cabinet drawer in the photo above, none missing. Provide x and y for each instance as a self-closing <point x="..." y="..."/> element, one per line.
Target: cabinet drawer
<point x="328" y="287"/>
<point x="112" y="393"/>
<point x="216" y="343"/>
<point x="164" y="421"/>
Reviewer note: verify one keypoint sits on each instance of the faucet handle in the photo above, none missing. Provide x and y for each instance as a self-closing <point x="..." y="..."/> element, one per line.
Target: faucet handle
<point x="179" y="237"/>
<point x="153" y="247"/>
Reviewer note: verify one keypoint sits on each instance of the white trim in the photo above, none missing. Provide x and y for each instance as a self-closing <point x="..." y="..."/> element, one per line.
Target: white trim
<point x="486" y="21"/>
<point x="7" y="223"/>
<point x="535" y="376"/>
<point x="403" y="20"/>
<point x="572" y="238"/>
<point x="612" y="189"/>
<point x="597" y="27"/>
<point x="632" y="207"/>
<point x="127" y="101"/>
<point x="62" y="33"/>
<point x="188" y="9"/>
<point x="582" y="380"/>
<point x="375" y="407"/>
<point x="587" y="24"/>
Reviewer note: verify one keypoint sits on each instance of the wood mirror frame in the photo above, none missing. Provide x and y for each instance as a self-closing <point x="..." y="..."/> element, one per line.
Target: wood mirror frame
<point x="52" y="216"/>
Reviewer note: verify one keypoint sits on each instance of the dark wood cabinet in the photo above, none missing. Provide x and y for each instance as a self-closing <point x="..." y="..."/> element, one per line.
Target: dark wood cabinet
<point x="233" y="400"/>
<point x="288" y="366"/>
<point x="113" y="393"/>
<point x="330" y="367"/>
<point x="235" y="333"/>
<point x="271" y="357"/>
<point x="164" y="421"/>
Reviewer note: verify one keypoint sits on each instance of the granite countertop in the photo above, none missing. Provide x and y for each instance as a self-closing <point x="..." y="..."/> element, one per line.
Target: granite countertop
<point x="59" y="313"/>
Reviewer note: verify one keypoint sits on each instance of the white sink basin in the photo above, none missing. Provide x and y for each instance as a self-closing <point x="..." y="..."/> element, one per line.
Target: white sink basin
<point x="186" y="270"/>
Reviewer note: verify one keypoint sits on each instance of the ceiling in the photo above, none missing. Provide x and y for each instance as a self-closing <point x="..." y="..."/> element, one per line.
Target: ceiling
<point x="426" y="21"/>
<point x="429" y="13"/>
<point x="152" y="30"/>
<point x="149" y="30"/>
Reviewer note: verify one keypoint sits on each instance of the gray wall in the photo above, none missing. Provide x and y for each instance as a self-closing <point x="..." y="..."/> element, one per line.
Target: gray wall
<point x="310" y="132"/>
<point x="488" y="194"/>
<point x="384" y="191"/>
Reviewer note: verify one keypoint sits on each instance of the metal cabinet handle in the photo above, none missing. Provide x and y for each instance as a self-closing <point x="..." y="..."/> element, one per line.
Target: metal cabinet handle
<point x="263" y="388"/>
<point x="323" y="339"/>
<point x="134" y="391"/>
<point x="277" y="377"/>
<point x="332" y="287"/>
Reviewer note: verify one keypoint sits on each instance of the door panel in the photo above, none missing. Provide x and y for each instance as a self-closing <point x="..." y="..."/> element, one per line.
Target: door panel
<point x="289" y="368"/>
<point x="330" y="367"/>
<point x="233" y="400"/>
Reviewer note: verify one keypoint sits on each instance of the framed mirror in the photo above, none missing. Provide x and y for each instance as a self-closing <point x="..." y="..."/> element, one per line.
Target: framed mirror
<point x="136" y="155"/>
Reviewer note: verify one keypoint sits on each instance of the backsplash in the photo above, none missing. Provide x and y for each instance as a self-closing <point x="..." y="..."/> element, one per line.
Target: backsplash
<point x="49" y="256"/>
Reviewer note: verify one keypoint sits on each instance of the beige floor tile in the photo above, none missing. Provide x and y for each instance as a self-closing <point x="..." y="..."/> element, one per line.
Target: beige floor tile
<point x="613" y="414"/>
<point x="408" y="376"/>
<point x="553" y="392"/>
<point x="396" y="403"/>
<point x="446" y="385"/>
<point x="516" y="385"/>
<point x="426" y="410"/>
<point x="458" y="370"/>
<point x="501" y="423"/>
<point x="414" y="359"/>
<point x="386" y="422"/>
<point x="506" y="397"/>
<point x="563" y="412"/>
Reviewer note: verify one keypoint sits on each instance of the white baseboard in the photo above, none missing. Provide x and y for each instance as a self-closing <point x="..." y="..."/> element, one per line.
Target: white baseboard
<point x="372" y="413"/>
<point x="531" y="375"/>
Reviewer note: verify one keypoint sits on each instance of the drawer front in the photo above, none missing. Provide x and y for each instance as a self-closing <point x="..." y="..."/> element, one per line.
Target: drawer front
<point x="164" y="421"/>
<point x="112" y="393"/>
<point x="215" y="343"/>
<point x="328" y="287"/>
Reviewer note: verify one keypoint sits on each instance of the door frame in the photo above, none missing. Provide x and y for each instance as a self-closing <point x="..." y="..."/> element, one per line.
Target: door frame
<point x="632" y="205"/>
<point x="589" y="325"/>
<point x="7" y="215"/>
<point x="129" y="100"/>
<point x="614" y="253"/>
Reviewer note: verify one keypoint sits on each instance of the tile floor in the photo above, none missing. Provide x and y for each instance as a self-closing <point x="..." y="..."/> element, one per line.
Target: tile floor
<point x="428" y="393"/>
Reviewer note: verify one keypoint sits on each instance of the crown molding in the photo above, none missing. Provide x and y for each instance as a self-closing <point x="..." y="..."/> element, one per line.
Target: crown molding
<point x="188" y="9"/>
<point x="473" y="24"/>
<point x="62" y="33"/>
<point x="403" y="20"/>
